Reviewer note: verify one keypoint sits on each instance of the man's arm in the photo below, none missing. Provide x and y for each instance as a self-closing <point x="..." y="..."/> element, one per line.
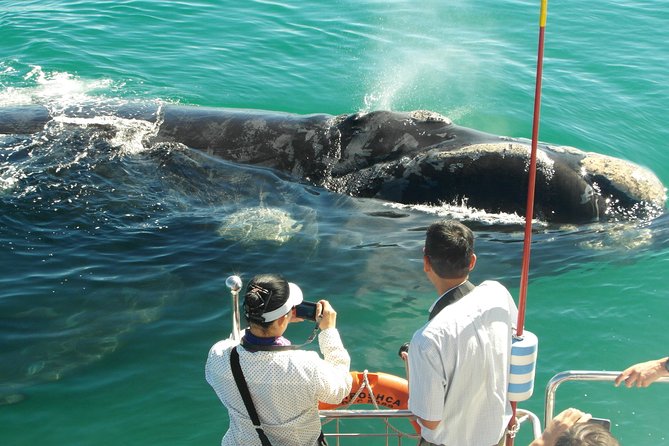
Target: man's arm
<point x="429" y="424"/>
<point x="425" y="423"/>
<point x="644" y="373"/>
<point x="426" y="382"/>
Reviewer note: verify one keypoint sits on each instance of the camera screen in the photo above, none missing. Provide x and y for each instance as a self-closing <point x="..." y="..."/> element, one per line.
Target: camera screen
<point x="306" y="310"/>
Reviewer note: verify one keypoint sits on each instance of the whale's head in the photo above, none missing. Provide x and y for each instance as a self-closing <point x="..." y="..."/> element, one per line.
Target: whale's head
<point x="626" y="190"/>
<point x="572" y="186"/>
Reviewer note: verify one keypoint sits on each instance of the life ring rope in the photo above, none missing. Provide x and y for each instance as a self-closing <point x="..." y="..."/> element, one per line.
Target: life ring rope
<point x="383" y="382"/>
<point x="363" y="385"/>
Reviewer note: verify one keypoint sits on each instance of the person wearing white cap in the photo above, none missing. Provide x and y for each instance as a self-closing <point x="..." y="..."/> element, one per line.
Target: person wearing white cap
<point x="284" y="382"/>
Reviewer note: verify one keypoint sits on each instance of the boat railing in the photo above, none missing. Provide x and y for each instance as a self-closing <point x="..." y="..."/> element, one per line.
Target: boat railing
<point x="391" y="432"/>
<point x="575" y="375"/>
<point x="384" y="416"/>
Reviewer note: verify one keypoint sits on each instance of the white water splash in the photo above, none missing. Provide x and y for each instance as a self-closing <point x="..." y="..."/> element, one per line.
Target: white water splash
<point x="51" y="88"/>
<point x="61" y="91"/>
<point x="10" y="175"/>
<point x="130" y="134"/>
<point x="462" y="211"/>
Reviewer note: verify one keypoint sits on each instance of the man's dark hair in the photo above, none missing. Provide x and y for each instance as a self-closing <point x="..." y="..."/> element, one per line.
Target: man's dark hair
<point x="586" y="434"/>
<point x="264" y="293"/>
<point x="449" y="245"/>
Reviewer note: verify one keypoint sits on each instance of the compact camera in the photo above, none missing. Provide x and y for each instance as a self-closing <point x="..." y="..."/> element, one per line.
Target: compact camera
<point x="306" y="310"/>
<point x="605" y="423"/>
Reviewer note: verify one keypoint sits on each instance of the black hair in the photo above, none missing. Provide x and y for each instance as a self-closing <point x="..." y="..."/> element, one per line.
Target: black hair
<point x="449" y="245"/>
<point x="265" y="292"/>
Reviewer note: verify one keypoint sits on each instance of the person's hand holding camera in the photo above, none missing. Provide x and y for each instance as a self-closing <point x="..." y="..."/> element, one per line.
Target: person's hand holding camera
<point x="327" y="315"/>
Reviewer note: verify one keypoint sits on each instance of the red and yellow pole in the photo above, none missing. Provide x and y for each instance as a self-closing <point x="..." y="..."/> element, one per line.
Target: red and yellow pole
<point x="529" y="214"/>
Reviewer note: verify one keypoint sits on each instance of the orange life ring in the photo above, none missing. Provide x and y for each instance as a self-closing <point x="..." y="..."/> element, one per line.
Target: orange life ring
<point x="389" y="391"/>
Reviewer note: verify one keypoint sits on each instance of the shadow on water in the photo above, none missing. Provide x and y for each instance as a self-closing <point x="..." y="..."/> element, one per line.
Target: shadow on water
<point x="95" y="237"/>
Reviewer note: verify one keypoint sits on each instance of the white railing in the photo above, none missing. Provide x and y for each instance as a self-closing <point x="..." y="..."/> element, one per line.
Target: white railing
<point x="391" y="432"/>
<point x="575" y="375"/>
<point x="384" y="415"/>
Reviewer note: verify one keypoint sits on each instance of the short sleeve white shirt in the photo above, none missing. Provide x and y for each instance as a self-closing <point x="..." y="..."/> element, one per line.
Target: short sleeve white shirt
<point x="285" y="386"/>
<point x="459" y="368"/>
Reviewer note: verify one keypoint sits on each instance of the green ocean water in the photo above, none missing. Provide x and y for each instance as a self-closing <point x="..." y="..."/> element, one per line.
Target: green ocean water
<point x="113" y="265"/>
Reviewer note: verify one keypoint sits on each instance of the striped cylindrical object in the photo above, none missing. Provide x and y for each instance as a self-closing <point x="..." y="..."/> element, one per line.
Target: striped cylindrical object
<point x="523" y="365"/>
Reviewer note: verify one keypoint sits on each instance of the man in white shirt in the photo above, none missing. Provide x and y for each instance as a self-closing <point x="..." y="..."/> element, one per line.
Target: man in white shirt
<point x="458" y="362"/>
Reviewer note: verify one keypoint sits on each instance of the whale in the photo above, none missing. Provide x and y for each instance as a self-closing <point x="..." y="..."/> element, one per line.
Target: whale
<point x="416" y="157"/>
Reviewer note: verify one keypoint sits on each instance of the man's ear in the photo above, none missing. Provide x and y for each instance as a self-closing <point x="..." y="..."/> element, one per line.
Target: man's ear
<point x="426" y="264"/>
<point x="472" y="262"/>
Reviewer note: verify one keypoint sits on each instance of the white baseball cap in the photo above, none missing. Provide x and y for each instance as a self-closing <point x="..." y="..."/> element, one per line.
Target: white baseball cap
<point x="295" y="297"/>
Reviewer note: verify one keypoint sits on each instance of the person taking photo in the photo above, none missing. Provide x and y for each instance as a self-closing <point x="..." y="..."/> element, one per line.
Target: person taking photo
<point x="283" y="384"/>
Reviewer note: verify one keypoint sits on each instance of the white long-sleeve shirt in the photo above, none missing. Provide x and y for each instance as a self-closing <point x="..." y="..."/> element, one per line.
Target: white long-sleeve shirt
<point x="285" y="386"/>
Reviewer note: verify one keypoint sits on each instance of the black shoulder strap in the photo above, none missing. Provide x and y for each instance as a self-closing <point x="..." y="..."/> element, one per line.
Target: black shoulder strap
<point x="246" y="396"/>
<point x="452" y="296"/>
